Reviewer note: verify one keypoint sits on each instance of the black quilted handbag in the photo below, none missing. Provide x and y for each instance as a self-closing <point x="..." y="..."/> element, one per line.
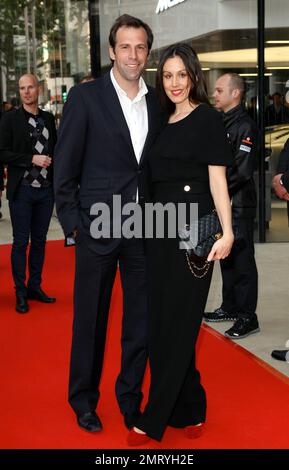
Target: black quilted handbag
<point x="207" y="230"/>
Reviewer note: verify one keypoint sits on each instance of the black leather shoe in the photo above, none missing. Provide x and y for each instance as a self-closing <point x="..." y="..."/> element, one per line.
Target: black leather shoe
<point x="90" y="422"/>
<point x="38" y="294"/>
<point x="21" y="304"/>
<point x="130" y="420"/>
<point x="280" y="355"/>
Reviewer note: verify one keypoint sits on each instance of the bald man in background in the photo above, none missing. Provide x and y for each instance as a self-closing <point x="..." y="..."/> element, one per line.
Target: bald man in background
<point x="27" y="140"/>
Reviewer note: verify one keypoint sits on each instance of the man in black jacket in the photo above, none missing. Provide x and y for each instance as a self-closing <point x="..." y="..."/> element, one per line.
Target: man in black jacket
<point x="27" y="140"/>
<point x="239" y="271"/>
<point x="280" y="185"/>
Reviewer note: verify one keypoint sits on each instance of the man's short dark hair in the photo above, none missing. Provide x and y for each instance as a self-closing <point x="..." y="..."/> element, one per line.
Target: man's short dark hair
<point x="237" y="83"/>
<point x="129" y="22"/>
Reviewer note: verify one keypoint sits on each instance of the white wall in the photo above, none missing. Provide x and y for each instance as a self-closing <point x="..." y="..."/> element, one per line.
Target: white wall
<point x="237" y="14"/>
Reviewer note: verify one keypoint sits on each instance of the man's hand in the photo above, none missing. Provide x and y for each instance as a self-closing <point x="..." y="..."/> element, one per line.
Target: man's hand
<point x="41" y="160"/>
<point x="280" y="191"/>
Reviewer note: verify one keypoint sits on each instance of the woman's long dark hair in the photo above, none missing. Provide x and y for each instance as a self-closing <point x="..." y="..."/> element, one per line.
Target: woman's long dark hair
<point x="198" y="91"/>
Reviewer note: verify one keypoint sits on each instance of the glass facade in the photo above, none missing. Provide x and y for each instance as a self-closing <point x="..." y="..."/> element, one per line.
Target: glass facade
<point x="277" y="107"/>
<point x="52" y="39"/>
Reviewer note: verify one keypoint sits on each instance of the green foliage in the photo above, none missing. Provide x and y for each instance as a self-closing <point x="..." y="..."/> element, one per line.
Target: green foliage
<point x="49" y="34"/>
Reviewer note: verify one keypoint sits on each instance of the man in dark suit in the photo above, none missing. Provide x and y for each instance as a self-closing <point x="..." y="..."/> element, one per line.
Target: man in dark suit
<point x="27" y="140"/>
<point x="106" y="129"/>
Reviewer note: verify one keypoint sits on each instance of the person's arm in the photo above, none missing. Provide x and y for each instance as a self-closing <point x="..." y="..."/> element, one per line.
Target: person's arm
<point x="219" y="190"/>
<point x="279" y="187"/>
<point x="10" y="156"/>
<point x="1" y="179"/>
<point x="245" y="153"/>
<point x="68" y="155"/>
<point x="283" y="161"/>
<point x="280" y="182"/>
<point x="7" y="154"/>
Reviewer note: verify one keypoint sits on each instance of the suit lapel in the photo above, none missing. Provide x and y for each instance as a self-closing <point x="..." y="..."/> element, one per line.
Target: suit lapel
<point x="114" y="108"/>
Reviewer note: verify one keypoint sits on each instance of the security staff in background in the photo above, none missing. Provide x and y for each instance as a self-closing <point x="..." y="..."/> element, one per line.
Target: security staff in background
<point x="280" y="185"/>
<point x="239" y="271"/>
<point x="27" y="140"/>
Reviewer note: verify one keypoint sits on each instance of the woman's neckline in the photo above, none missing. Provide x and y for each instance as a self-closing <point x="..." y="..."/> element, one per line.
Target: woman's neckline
<point x="187" y="116"/>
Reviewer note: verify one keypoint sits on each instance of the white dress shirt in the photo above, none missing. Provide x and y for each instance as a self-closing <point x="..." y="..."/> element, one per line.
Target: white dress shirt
<point x="135" y="113"/>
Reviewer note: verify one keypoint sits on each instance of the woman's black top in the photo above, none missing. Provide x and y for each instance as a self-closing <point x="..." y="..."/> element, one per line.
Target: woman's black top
<point x="181" y="154"/>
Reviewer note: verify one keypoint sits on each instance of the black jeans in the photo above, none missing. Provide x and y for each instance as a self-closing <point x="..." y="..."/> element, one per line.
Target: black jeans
<point x="30" y="213"/>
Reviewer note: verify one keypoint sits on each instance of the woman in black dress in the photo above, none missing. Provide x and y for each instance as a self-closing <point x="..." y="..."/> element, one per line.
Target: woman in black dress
<point x="187" y="164"/>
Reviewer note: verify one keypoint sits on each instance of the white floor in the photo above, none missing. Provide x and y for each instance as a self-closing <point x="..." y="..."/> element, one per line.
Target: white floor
<point x="273" y="305"/>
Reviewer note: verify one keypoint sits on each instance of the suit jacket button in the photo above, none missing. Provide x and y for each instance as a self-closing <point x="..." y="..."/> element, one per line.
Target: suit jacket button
<point x="187" y="188"/>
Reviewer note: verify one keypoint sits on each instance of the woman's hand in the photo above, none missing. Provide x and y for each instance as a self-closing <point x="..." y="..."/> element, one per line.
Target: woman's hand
<point x="41" y="160"/>
<point x="219" y="189"/>
<point x="221" y="248"/>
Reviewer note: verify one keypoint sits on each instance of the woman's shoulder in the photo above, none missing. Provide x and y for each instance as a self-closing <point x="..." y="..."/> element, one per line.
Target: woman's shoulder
<point x="210" y="118"/>
<point x="210" y="111"/>
<point x="206" y="118"/>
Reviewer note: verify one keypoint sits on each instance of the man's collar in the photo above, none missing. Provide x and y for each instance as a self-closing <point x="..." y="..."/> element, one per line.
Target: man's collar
<point x="238" y="108"/>
<point x="31" y="114"/>
<point x="142" y="88"/>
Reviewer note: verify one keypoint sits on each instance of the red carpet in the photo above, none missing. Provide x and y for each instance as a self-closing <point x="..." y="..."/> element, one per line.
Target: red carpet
<point x="248" y="401"/>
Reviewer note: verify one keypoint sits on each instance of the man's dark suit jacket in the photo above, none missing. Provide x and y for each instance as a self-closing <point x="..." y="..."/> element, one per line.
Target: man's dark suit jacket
<point x="16" y="147"/>
<point x="94" y="157"/>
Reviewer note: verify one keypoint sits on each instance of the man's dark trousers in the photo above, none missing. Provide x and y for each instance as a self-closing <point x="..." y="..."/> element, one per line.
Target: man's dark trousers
<point x="94" y="280"/>
<point x="30" y="211"/>
<point x="239" y="273"/>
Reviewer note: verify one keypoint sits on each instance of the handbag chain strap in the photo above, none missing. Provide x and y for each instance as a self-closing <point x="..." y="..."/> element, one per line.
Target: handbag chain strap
<point x="194" y="267"/>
